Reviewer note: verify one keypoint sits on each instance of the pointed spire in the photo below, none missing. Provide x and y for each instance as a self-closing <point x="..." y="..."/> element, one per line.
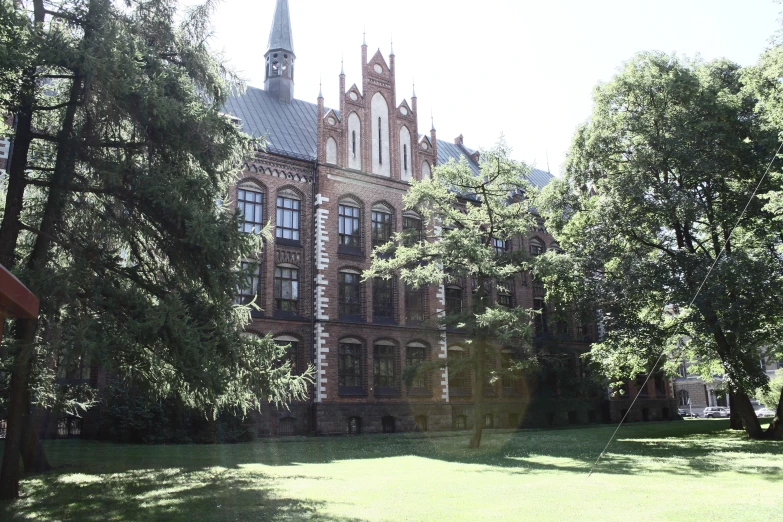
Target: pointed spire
<point x="364" y="37"/>
<point x="392" y="47"/>
<point x="414" y="89"/>
<point x="320" y="89"/>
<point x="280" y="36"/>
<point x="432" y="118"/>
<point x="342" y="66"/>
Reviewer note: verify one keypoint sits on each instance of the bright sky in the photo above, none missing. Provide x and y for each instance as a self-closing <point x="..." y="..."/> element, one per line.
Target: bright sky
<point x="525" y="69"/>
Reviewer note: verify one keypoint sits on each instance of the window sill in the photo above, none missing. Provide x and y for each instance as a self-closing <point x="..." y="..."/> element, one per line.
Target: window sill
<point x="386" y="392"/>
<point x="346" y="391"/>
<point x="285" y="314"/>
<point x="419" y="392"/>
<point x="350" y="251"/>
<point x="459" y="392"/>
<point x="384" y="320"/>
<point x="412" y="322"/>
<point x="352" y="319"/>
<point x="288" y="242"/>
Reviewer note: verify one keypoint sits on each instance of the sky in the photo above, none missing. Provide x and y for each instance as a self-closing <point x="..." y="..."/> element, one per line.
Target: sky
<point x="522" y="69"/>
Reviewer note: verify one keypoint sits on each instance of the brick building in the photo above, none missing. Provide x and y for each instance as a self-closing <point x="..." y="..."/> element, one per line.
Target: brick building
<point x="331" y="180"/>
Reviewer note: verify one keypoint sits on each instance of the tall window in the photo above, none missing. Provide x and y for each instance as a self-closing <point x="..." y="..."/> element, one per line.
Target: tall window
<point x="349" y="365"/>
<point x="415" y="353"/>
<point x="506" y="294"/>
<point x="382" y="299"/>
<point x="353" y="143"/>
<point x="287" y="218"/>
<point x="249" y="289"/>
<point x="381" y="226"/>
<point x="414" y="303"/>
<point x="499" y="246"/>
<point x="458" y="379"/>
<point x="286" y="289"/>
<point x="536" y="246"/>
<point x="349" y="226"/>
<point x="405" y="157"/>
<point x="251" y="206"/>
<point x="683" y="397"/>
<point x="384" y="374"/>
<point x="413" y="224"/>
<point x="292" y="348"/>
<point x="380" y="142"/>
<point x="453" y="301"/>
<point x="349" y="286"/>
<point x="540" y="318"/>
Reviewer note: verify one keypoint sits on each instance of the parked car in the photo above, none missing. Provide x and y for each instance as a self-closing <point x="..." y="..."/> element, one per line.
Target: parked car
<point x="688" y="414"/>
<point x="716" y="412"/>
<point x="765" y="412"/>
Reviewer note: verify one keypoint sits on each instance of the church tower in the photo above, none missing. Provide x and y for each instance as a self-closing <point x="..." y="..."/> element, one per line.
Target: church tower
<point x="279" y="77"/>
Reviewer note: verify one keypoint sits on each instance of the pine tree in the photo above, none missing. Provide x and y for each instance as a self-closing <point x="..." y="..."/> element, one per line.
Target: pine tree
<point x="116" y="210"/>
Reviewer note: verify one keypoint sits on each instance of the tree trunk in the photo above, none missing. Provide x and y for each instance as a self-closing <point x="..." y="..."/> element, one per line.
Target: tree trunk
<point x="775" y="430"/>
<point x="33" y="454"/>
<point x="19" y="401"/>
<point x="478" y="399"/>
<point x="748" y="415"/>
<point x="735" y="418"/>
<point x="18" y="408"/>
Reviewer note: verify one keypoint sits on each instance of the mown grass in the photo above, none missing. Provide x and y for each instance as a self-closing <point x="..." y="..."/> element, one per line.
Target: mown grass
<point x="694" y="470"/>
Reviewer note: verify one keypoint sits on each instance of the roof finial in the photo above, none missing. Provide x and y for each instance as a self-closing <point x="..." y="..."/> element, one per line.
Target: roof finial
<point x="433" y="120"/>
<point x="342" y="66"/>
<point x="414" y="89"/>
<point x="320" y="88"/>
<point x="364" y="36"/>
<point x="392" y="47"/>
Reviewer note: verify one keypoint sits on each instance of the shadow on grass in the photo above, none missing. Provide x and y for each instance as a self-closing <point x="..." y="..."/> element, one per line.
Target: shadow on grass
<point x="104" y="481"/>
<point x="169" y="494"/>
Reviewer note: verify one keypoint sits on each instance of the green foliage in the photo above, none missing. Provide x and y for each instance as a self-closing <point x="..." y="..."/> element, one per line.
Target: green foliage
<point x="121" y="237"/>
<point x="654" y="183"/>
<point x="770" y="397"/>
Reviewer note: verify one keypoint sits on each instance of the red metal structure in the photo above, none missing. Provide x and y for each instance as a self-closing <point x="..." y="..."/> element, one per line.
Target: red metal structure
<point x="15" y="299"/>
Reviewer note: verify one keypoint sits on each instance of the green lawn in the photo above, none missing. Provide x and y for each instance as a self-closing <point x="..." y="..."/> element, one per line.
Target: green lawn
<point x="692" y="470"/>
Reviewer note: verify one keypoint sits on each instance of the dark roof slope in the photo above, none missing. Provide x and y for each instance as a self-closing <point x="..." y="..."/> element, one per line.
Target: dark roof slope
<point x="291" y="130"/>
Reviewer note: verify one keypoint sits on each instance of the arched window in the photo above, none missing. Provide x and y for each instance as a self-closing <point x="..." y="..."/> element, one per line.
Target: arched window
<point x="380" y="135"/>
<point x="381" y="225"/>
<point x="459" y="378"/>
<point x="354" y="426"/>
<point x="287" y="427"/>
<point x="331" y="151"/>
<point x="683" y="397"/>
<point x="349" y="224"/>
<point x="385" y="368"/>
<point x="288" y="216"/>
<point x="387" y="424"/>
<point x="411" y="222"/>
<point x="383" y="298"/>
<point x="292" y="350"/>
<point x="414" y="303"/>
<point x="287" y="289"/>
<point x="425" y="170"/>
<point x="349" y="298"/>
<point x="536" y="246"/>
<point x="405" y="146"/>
<point x="350" y="377"/>
<point x="248" y="288"/>
<point x="250" y="201"/>
<point x="453" y="300"/>
<point x="354" y="151"/>
<point x="416" y="354"/>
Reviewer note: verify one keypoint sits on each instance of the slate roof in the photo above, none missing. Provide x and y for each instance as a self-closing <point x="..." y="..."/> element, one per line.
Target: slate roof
<point x="291" y="130"/>
<point x="280" y="36"/>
